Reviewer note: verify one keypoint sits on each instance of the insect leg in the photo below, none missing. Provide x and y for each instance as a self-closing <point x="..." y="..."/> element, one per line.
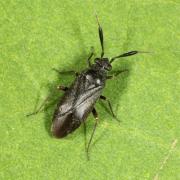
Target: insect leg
<point x="116" y="74"/>
<point x="85" y="137"/>
<point x="110" y="107"/>
<point x="40" y="107"/>
<point x="65" y="72"/>
<point x="94" y="112"/>
<point x="88" y="60"/>
<point x="63" y="88"/>
<point x="101" y="37"/>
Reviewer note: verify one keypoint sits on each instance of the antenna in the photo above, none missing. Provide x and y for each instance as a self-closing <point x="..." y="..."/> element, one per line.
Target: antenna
<point x="100" y="34"/>
<point x="130" y="53"/>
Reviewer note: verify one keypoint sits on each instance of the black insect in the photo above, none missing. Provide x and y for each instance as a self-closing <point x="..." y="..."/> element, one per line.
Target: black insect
<point x="79" y="99"/>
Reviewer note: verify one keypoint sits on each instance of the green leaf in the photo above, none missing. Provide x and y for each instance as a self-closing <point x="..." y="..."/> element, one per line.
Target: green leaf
<point x="36" y="36"/>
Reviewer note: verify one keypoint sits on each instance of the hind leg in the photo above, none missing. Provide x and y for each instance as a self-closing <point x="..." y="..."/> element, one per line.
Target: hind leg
<point x="95" y="114"/>
<point x="41" y="107"/>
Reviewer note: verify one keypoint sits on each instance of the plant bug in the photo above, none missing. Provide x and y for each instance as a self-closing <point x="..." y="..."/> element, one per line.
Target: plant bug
<point x="79" y="99"/>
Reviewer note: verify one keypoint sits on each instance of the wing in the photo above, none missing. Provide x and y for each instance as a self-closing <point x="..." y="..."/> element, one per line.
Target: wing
<point x="76" y="103"/>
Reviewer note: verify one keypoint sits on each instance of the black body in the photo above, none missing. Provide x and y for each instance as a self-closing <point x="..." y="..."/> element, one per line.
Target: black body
<point x="78" y="101"/>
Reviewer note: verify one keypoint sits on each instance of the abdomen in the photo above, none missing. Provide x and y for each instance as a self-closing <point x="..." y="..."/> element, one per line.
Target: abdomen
<point x="63" y="125"/>
<point x="66" y="123"/>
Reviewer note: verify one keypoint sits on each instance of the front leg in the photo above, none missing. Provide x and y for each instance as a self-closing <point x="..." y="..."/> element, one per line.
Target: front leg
<point x="91" y="55"/>
<point x="62" y="88"/>
<point x="66" y="72"/>
<point x="116" y="74"/>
